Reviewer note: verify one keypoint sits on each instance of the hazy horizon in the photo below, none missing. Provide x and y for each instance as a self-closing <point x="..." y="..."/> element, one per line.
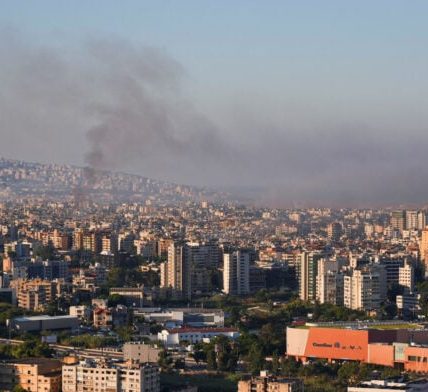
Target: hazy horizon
<point x="313" y="103"/>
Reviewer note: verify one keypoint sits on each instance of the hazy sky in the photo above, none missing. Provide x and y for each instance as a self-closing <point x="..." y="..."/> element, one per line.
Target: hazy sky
<point x="316" y="101"/>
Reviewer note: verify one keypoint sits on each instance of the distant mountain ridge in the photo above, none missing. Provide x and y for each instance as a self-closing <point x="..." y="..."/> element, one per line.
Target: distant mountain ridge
<point x="21" y="179"/>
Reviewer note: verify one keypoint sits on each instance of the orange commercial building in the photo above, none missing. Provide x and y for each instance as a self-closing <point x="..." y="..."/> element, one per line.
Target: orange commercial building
<point x="405" y="348"/>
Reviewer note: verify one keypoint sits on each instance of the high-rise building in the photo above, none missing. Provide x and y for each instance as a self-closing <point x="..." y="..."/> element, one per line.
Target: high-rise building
<point x="422" y="220"/>
<point x="187" y="269"/>
<point x="162" y="247"/>
<point x="125" y="242"/>
<point x="109" y="243"/>
<point x="92" y="242"/>
<point x="307" y="270"/>
<point x="365" y="289"/>
<point x="407" y="277"/>
<point x="328" y="282"/>
<point x="398" y="220"/>
<point x="236" y="273"/>
<point x="334" y="231"/>
<point x="392" y="269"/>
<point x="176" y="272"/>
<point x="203" y="259"/>
<point x="48" y="269"/>
<point x="59" y="240"/>
<point x="424" y="247"/>
<point x="78" y="239"/>
<point x="411" y="220"/>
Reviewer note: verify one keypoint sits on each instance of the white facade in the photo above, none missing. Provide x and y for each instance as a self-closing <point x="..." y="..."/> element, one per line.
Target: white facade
<point x="82" y="312"/>
<point x="364" y="290"/>
<point x="236" y="273"/>
<point x="173" y="337"/>
<point x="390" y="386"/>
<point x="326" y="281"/>
<point x="406" y="277"/>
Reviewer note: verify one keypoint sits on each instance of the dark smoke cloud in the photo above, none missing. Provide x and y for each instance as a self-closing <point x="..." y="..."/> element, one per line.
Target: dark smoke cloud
<point x="111" y="105"/>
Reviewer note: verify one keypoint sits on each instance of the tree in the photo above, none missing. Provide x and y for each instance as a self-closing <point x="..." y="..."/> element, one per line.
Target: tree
<point x="45" y="252"/>
<point x="18" y="388"/>
<point x="164" y="360"/>
<point x="116" y="299"/>
<point x="275" y="368"/>
<point x="349" y="372"/>
<point x="256" y="359"/>
<point x="271" y="337"/>
<point x="199" y="356"/>
<point x="179" y="363"/>
<point x="211" y="360"/>
<point x="116" y="277"/>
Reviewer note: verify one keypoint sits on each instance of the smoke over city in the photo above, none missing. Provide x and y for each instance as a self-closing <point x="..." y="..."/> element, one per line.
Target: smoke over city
<point x="112" y="105"/>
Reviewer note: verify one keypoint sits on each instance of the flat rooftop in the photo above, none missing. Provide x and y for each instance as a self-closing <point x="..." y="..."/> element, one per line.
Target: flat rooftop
<point x="383" y="325"/>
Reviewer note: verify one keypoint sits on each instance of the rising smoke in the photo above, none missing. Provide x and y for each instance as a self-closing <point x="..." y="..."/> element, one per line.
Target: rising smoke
<point x="111" y="105"/>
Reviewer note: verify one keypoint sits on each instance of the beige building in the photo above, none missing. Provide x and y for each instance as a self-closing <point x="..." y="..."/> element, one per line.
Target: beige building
<point x="270" y="384"/>
<point x="424" y="247"/>
<point x="140" y="352"/>
<point x="134" y="296"/>
<point x="105" y="377"/>
<point x="60" y="240"/>
<point x="103" y="318"/>
<point x="176" y="273"/>
<point x="32" y="374"/>
<point x="33" y="294"/>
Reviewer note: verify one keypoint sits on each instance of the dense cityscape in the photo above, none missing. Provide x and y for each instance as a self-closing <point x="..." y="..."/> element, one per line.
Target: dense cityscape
<point x="213" y="196"/>
<point x="176" y="293"/>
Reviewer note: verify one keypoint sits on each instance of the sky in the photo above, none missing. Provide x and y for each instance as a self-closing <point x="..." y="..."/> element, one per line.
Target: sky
<point x="297" y="102"/>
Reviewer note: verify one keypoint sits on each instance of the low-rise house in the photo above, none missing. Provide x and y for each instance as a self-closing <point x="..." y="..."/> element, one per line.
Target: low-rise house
<point x="173" y="337"/>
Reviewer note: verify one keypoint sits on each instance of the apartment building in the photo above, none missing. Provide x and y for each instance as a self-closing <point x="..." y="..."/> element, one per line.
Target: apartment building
<point x="32" y="374"/>
<point x="236" y="273"/>
<point x="103" y="376"/>
<point x="266" y="383"/>
<point x="329" y="283"/>
<point x="176" y="272"/>
<point x="143" y="353"/>
<point x="406" y="277"/>
<point x="365" y="289"/>
<point x="307" y="269"/>
<point x="33" y="294"/>
<point x="423" y="247"/>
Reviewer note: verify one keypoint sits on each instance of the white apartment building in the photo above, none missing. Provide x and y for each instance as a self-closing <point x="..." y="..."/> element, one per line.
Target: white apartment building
<point x="406" y="277"/>
<point x="236" y="273"/>
<point x="326" y="281"/>
<point x="364" y="289"/>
